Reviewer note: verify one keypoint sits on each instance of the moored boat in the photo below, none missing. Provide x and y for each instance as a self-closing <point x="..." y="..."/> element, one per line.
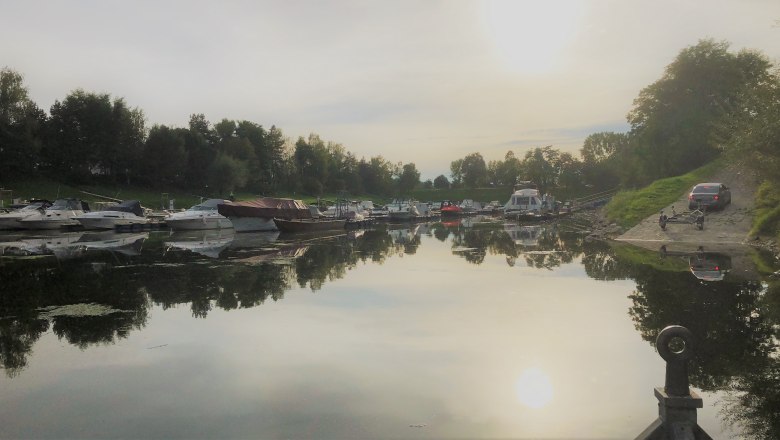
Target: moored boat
<point x="201" y="216"/>
<point x="10" y="220"/>
<point x="127" y="213"/>
<point x="259" y="214"/>
<point x="62" y="213"/>
<point x="527" y="204"/>
<point x="449" y="208"/>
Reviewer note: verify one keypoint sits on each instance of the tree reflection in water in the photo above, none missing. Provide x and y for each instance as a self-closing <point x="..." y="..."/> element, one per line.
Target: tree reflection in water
<point x="734" y="320"/>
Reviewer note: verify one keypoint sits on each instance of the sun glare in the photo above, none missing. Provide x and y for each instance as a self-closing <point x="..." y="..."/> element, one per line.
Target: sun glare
<point x="530" y="36"/>
<point x="534" y="388"/>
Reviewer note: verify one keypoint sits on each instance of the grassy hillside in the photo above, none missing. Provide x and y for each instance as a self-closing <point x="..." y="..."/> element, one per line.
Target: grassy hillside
<point x="628" y="208"/>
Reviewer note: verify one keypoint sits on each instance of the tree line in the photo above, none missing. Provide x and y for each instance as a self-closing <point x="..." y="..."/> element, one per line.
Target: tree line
<point x="709" y="102"/>
<point x="93" y="138"/>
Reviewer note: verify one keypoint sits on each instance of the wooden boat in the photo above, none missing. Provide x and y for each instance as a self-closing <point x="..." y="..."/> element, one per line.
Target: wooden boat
<point x="309" y="224"/>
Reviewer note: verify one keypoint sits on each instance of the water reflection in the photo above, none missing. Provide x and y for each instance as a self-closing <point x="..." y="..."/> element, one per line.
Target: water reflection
<point x="99" y="289"/>
<point x="706" y="266"/>
<point x="209" y="243"/>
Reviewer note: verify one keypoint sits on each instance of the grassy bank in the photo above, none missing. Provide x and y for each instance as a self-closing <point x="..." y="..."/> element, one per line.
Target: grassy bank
<point x="628" y="208"/>
<point x="767" y="216"/>
<point x="49" y="189"/>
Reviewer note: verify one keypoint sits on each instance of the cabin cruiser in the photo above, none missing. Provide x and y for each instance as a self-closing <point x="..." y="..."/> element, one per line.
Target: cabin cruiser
<point x="62" y="213"/>
<point x="258" y="215"/>
<point x="527" y="201"/>
<point x="10" y="220"/>
<point x="127" y="213"/>
<point x="201" y="216"/>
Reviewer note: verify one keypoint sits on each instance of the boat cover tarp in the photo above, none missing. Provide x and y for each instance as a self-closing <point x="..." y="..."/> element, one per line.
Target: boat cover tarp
<point x="266" y="207"/>
<point x="131" y="206"/>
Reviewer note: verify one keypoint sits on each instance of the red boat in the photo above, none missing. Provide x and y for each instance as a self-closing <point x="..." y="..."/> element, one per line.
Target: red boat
<point x="450" y="208"/>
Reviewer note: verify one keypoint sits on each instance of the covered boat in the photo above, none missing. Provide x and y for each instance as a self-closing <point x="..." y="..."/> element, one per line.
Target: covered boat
<point x="127" y="213"/>
<point x="259" y="214"/>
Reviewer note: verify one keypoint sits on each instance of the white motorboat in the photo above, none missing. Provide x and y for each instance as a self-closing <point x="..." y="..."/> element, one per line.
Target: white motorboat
<point x="127" y="213"/>
<point x="469" y="206"/>
<point x="526" y="201"/>
<point x="10" y="220"/>
<point x="62" y="213"/>
<point x="201" y="216"/>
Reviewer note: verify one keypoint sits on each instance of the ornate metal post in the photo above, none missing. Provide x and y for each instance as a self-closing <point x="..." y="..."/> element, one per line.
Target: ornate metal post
<point x="677" y="404"/>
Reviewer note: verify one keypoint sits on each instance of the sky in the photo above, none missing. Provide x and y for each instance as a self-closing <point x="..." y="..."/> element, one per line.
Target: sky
<point x="417" y="81"/>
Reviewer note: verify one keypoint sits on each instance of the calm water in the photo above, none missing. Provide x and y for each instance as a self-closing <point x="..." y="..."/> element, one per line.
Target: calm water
<point x="475" y="330"/>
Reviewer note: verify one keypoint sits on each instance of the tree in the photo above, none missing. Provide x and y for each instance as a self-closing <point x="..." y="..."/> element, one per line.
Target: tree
<point x="456" y="171"/>
<point x="408" y="179"/>
<point x="675" y="121"/>
<point x="227" y="173"/>
<point x="21" y="126"/>
<point x="602" y="146"/>
<point x="508" y="170"/>
<point x="164" y="156"/>
<point x="474" y="170"/>
<point x="539" y="165"/>
<point x="441" y="182"/>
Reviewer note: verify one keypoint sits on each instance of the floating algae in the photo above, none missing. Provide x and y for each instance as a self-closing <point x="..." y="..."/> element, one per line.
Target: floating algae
<point x="78" y="310"/>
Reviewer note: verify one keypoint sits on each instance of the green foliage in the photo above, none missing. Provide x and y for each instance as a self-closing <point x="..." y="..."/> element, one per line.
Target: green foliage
<point x="21" y="126"/>
<point x="441" y="182"/>
<point x="676" y="121"/>
<point x="628" y="208"/>
<point x="767" y="216"/>
<point x="408" y="179"/>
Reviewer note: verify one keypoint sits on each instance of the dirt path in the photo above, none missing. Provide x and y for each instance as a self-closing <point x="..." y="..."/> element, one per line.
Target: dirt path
<point x="727" y="227"/>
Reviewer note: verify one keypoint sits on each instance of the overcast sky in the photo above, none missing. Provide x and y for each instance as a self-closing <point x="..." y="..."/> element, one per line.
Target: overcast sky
<point x="413" y="81"/>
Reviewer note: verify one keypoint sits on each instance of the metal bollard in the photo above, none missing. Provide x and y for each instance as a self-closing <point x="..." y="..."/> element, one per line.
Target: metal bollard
<point x="677" y="404"/>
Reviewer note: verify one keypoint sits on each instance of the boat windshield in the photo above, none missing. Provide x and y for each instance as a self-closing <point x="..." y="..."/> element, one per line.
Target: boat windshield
<point x="203" y="208"/>
<point x="32" y="206"/>
<point x="64" y="204"/>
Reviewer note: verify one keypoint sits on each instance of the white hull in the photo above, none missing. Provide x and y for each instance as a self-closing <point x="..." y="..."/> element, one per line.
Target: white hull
<point x="49" y="224"/>
<point x="111" y="223"/>
<point x="10" y="223"/>
<point x="200" y="223"/>
<point x="253" y="224"/>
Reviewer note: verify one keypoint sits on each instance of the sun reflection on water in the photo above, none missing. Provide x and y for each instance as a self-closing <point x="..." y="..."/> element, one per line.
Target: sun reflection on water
<point x="534" y="388"/>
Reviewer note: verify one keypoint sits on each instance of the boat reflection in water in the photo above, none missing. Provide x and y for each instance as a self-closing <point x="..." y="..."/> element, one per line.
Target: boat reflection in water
<point x="524" y="235"/>
<point x="126" y="244"/>
<point x="208" y="242"/>
<point x="52" y="243"/>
